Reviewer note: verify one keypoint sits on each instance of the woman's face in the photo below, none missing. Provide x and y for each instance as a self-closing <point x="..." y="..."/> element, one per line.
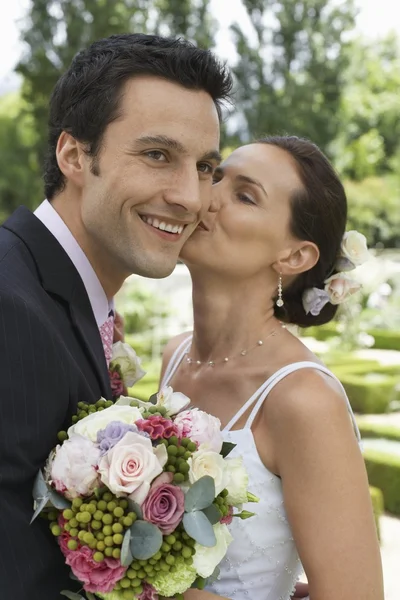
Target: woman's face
<point x="250" y="229"/>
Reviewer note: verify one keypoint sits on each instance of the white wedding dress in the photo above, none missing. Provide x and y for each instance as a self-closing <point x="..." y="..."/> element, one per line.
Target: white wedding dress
<point x="262" y="562"/>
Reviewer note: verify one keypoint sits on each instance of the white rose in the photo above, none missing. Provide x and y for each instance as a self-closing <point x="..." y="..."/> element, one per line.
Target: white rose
<point x="205" y="560"/>
<point x="354" y="247"/>
<point x="90" y="425"/>
<point x="237" y="481"/>
<point x="129" y="468"/>
<point x="172" y="401"/>
<point x="201" y="427"/>
<point x="126" y="358"/>
<point x="73" y="468"/>
<point x="207" y="462"/>
<point x="339" y="287"/>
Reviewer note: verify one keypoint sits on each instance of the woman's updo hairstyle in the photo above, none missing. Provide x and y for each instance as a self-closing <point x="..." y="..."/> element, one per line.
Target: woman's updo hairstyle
<point x="319" y="215"/>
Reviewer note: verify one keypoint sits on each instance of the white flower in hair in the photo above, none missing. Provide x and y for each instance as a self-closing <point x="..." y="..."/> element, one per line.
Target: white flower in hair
<point x="314" y="300"/>
<point x="354" y="251"/>
<point x="340" y="287"/>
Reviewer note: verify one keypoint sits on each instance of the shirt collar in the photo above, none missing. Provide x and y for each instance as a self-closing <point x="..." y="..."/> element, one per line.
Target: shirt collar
<point x="51" y="219"/>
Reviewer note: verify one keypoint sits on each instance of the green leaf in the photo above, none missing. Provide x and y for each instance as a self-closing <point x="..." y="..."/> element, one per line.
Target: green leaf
<point x="214" y="576"/>
<point x="41" y="494"/>
<point x="227" y="448"/>
<point x="212" y="513"/>
<point x="153" y="398"/>
<point x="126" y="554"/>
<point x="146" y="540"/>
<point x="134" y="507"/>
<point x="72" y="595"/>
<point x="90" y="596"/>
<point x="200" y="495"/>
<point x="58" y="501"/>
<point x="199" y="528"/>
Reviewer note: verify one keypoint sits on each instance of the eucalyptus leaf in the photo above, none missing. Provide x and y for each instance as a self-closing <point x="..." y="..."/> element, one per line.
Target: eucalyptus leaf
<point x="212" y="513"/>
<point x="41" y="494"/>
<point x="214" y="576"/>
<point x="126" y="554"/>
<point x="58" y="501"/>
<point x="153" y="398"/>
<point x="73" y="577"/>
<point x="200" y="495"/>
<point x="199" y="528"/>
<point x="90" y="596"/>
<point x="146" y="540"/>
<point x="134" y="507"/>
<point x="72" y="595"/>
<point x="227" y="448"/>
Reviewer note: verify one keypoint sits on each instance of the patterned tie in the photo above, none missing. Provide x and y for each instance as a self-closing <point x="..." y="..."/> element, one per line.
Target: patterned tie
<point x="107" y="334"/>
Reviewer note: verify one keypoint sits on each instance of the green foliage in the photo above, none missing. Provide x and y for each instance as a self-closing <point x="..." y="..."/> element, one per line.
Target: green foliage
<point x="142" y="310"/>
<point x="377" y="430"/>
<point x="386" y="340"/>
<point x="377" y="507"/>
<point x="384" y="473"/>
<point x="290" y="78"/>
<point x="369" y="393"/>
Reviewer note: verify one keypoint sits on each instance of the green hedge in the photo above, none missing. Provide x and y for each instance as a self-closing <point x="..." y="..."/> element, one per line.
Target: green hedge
<point x="386" y="339"/>
<point x="384" y="473"/>
<point x="376" y="430"/>
<point x="322" y="333"/>
<point x="377" y="507"/>
<point x="369" y="396"/>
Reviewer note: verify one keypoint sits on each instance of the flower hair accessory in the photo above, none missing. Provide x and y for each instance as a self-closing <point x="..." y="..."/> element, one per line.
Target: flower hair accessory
<point x="339" y="287"/>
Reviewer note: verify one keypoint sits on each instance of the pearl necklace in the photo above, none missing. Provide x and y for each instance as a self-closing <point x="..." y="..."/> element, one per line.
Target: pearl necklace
<point x="212" y="363"/>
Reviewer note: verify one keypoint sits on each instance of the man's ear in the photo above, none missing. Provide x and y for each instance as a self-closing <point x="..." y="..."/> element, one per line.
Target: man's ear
<point x="71" y="158"/>
<point x="303" y="257"/>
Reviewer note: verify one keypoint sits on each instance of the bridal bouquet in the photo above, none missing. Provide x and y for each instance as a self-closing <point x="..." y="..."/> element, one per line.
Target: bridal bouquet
<point x="140" y="495"/>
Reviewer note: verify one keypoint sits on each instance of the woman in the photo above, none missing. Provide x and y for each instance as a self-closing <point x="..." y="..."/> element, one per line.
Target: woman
<point x="261" y="258"/>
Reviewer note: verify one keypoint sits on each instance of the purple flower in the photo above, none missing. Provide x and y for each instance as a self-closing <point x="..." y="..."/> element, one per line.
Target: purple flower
<point x="165" y="504"/>
<point x="314" y="300"/>
<point x="112" y="434"/>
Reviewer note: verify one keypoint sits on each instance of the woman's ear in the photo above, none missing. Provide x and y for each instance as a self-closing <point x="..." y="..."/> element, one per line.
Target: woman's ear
<point x="298" y="260"/>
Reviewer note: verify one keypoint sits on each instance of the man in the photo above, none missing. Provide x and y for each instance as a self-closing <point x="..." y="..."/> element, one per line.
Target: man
<point x="133" y="143"/>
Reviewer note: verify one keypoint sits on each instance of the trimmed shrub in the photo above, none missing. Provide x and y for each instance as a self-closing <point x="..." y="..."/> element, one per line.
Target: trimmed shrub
<point x="386" y="339"/>
<point x="384" y="473"/>
<point x="369" y="394"/>
<point x="377" y="507"/>
<point x="376" y="430"/>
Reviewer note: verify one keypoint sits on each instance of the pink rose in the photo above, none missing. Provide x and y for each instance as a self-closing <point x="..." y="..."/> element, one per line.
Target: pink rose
<point x="149" y="593"/>
<point x="95" y="576"/>
<point x="165" y="504"/>
<point x="201" y="428"/>
<point x="131" y="465"/>
<point x="157" y="427"/>
<point x="73" y="469"/>
<point x="340" y="287"/>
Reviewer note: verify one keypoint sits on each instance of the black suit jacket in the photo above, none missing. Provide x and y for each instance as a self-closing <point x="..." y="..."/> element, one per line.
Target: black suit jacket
<point x="51" y="357"/>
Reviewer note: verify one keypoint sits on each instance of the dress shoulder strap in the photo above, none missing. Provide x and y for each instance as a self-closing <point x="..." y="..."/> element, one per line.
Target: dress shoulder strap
<point x="175" y="361"/>
<point x="281" y="374"/>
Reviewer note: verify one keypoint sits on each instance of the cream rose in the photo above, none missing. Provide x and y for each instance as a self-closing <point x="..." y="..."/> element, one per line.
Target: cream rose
<point x="237" y="481"/>
<point x="207" y="462"/>
<point x="339" y="287"/>
<point x="129" y="468"/>
<point x="205" y="560"/>
<point x="354" y="247"/>
<point x="126" y="358"/>
<point x="90" y="425"/>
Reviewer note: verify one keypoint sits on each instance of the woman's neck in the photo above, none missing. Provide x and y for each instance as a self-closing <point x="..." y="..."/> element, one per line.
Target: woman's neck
<point x="229" y="318"/>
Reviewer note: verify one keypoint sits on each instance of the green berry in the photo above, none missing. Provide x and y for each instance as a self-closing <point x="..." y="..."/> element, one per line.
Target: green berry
<point x="52" y="515"/>
<point x="55" y="529"/>
<point x="185" y="441"/>
<point x="172" y="460"/>
<point x="141" y="573"/>
<point x="172" y="450"/>
<point x="88" y="537"/>
<point x="108" y="540"/>
<point x="98" y="515"/>
<point x="192" y="447"/>
<point x="118" y="512"/>
<point x="170" y="539"/>
<point x="68" y="514"/>
<point x="91" y="508"/>
<point x="126" y="595"/>
<point x="72" y="544"/>
<point x="135" y="582"/>
<point x="86" y="517"/>
<point x="157" y="555"/>
<point x="100" y="402"/>
<point x="117" y="528"/>
<point x="173" y="440"/>
<point x="107" y="530"/>
<point x="108" y="551"/>
<point x="109" y="403"/>
<point x="96" y="525"/>
<point x="118" y="538"/>
<point x="165" y="547"/>
<point x="127" y="522"/>
<point x="181" y="450"/>
<point x="186" y="552"/>
<point x="179" y="478"/>
<point x="107" y="497"/>
<point x="116" y="553"/>
<point x="125" y="582"/>
<point x="98" y="556"/>
<point x="123" y="503"/>
<point x="169" y="559"/>
<point x="99" y="535"/>
<point x="81" y="533"/>
<point x="73" y="532"/>
<point x="107" y="519"/>
<point x="73" y="522"/>
<point x="189" y="561"/>
<point x="74" y="419"/>
<point x="101" y="505"/>
<point x="171" y="469"/>
<point x="67" y="527"/>
<point x="101" y="546"/>
<point x="183" y="468"/>
<point x="164" y="567"/>
<point x="82" y="414"/>
<point x="142" y="563"/>
<point x="177" y="546"/>
<point x="111" y="506"/>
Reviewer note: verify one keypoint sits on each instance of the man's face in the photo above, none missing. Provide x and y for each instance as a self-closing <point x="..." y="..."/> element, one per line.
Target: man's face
<point x="151" y="182"/>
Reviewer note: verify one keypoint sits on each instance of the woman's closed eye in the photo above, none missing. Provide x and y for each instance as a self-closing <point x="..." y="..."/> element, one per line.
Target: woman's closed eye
<point x="246" y="198"/>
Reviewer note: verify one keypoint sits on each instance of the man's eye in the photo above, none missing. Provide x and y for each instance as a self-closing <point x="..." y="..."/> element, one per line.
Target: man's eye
<point x="205" y="168"/>
<point x="156" y="155"/>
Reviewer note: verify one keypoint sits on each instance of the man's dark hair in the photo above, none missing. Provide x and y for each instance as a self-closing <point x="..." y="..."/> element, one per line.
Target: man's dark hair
<point x="86" y="98"/>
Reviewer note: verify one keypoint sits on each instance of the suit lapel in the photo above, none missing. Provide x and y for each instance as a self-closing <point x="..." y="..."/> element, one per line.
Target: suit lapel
<point x="59" y="276"/>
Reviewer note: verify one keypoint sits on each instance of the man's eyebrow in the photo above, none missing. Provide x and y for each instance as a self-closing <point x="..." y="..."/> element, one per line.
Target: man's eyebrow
<point x="164" y="140"/>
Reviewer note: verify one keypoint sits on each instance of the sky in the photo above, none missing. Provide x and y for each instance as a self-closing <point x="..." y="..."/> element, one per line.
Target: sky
<point x="376" y="18"/>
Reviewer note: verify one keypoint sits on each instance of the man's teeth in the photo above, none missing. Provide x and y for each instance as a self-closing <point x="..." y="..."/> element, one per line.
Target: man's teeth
<point x="162" y="225"/>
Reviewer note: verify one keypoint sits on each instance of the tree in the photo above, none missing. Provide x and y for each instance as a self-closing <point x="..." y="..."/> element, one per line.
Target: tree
<point x="289" y="77"/>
